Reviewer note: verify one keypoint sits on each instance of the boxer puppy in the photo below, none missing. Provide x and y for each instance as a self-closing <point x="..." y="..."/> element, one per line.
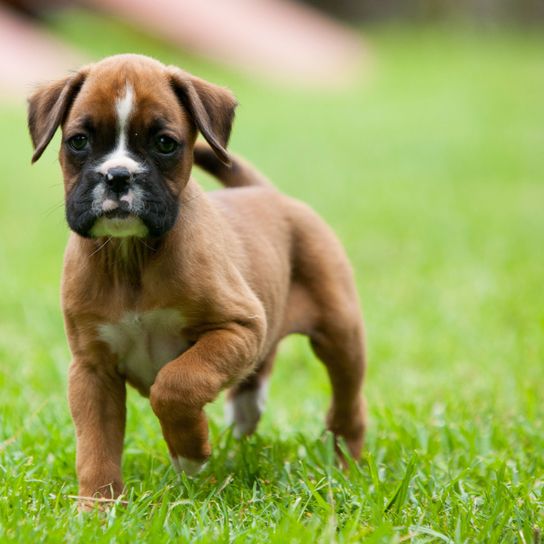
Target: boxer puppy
<point x="178" y="292"/>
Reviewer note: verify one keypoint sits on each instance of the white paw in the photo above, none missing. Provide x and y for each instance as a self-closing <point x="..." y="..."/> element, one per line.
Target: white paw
<point x="245" y="409"/>
<point x="189" y="466"/>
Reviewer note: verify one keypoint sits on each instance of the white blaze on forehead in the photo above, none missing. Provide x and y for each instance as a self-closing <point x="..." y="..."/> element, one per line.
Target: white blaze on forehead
<point x="123" y="107"/>
<point x="120" y="156"/>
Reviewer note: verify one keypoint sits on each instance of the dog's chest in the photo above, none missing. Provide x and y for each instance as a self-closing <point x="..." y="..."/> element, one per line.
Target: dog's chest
<point x="144" y="343"/>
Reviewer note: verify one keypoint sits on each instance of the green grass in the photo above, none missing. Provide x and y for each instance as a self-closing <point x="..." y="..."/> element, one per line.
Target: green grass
<point x="431" y="172"/>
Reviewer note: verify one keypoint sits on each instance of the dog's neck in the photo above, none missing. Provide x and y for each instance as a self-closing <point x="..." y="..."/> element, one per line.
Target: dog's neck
<point x="124" y="260"/>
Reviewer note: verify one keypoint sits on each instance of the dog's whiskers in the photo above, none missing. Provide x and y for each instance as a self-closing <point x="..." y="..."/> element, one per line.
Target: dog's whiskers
<point x="152" y="249"/>
<point x="53" y="209"/>
<point x="102" y="246"/>
<point x="188" y="200"/>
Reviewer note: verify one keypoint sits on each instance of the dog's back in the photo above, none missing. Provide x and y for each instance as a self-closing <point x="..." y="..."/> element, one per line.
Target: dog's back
<point x="284" y="238"/>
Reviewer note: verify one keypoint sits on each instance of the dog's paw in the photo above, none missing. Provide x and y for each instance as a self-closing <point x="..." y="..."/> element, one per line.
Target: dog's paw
<point x="98" y="502"/>
<point x="191" y="467"/>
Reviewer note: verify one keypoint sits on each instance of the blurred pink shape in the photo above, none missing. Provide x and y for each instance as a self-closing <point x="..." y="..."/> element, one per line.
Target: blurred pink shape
<point x="30" y="55"/>
<point x="277" y="39"/>
<point x="274" y="38"/>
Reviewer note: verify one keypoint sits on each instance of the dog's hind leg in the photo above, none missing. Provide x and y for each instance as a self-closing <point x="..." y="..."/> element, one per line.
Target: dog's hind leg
<point x="245" y="401"/>
<point x="338" y="343"/>
<point x="328" y="295"/>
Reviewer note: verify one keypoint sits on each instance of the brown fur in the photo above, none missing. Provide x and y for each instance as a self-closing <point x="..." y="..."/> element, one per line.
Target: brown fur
<point x="246" y="266"/>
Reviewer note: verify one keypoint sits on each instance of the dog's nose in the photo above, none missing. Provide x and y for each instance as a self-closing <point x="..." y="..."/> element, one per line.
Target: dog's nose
<point x="117" y="179"/>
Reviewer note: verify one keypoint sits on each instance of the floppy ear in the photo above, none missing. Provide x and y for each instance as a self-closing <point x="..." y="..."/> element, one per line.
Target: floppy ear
<point x="48" y="107"/>
<point x="211" y="107"/>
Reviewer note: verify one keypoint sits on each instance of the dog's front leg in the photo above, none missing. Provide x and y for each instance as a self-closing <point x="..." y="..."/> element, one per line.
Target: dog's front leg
<point x="183" y="386"/>
<point x="97" y="401"/>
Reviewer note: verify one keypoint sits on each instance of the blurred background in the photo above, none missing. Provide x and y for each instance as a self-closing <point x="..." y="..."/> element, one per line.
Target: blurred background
<point x="415" y="127"/>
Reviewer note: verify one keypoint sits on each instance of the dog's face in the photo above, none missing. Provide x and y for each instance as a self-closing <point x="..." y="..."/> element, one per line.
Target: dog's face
<point x="129" y="124"/>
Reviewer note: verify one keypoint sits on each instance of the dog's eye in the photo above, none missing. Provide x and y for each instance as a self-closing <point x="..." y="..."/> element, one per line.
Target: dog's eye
<point x="78" y="142"/>
<point x="165" y="145"/>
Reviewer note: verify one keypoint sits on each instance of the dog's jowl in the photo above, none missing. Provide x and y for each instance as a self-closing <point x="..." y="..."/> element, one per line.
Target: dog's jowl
<point x="178" y="292"/>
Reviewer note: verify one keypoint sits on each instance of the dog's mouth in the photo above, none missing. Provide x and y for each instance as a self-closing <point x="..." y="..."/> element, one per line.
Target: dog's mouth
<point x="117" y="217"/>
<point x="118" y="213"/>
<point x="95" y="211"/>
<point x="119" y="224"/>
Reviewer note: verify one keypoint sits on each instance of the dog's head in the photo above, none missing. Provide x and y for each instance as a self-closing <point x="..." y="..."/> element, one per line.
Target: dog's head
<point x="129" y="124"/>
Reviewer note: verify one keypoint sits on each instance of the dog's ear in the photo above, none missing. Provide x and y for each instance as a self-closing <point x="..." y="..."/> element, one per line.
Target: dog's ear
<point x="210" y="106"/>
<point x="48" y="107"/>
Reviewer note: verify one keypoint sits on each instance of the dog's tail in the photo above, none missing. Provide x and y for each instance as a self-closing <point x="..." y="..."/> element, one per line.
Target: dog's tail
<point x="238" y="174"/>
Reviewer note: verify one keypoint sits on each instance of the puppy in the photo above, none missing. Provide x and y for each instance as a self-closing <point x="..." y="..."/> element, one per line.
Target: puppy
<point x="178" y="292"/>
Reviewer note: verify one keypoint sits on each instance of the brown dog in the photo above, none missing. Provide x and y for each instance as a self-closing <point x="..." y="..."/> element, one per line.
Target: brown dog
<point x="179" y="292"/>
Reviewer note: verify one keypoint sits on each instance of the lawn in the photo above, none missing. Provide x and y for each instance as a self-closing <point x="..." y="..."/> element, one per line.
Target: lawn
<point x="431" y="172"/>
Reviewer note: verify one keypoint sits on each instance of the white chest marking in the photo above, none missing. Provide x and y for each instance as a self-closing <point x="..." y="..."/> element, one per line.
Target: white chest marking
<point x="145" y="342"/>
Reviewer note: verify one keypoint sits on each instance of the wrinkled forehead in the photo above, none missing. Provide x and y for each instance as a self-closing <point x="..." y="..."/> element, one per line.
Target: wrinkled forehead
<point x="140" y="94"/>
